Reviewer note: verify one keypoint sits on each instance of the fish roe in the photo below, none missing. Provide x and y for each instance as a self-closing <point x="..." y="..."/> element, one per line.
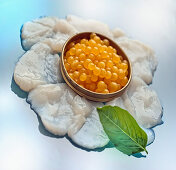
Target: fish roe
<point x="95" y="65"/>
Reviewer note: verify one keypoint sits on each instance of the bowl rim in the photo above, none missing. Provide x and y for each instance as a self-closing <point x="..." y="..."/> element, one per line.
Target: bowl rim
<point x="88" y="91"/>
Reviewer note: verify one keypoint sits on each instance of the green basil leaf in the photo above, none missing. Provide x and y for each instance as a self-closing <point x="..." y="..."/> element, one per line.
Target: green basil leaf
<point x="122" y="129"/>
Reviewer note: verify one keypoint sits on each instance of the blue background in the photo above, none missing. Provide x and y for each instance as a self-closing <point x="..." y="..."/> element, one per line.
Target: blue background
<point x="25" y="144"/>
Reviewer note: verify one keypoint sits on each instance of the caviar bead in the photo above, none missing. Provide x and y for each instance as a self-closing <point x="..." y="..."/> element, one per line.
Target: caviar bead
<point x="78" y="52"/>
<point x="124" y="81"/>
<point x="79" y="66"/>
<point x="82" y="70"/>
<point x="76" y="74"/>
<point x="108" y="75"/>
<point x="92" y="43"/>
<point x="123" y="66"/>
<point x="83" y="77"/>
<point x="83" y="47"/>
<point x="86" y="63"/>
<point x="82" y="56"/>
<point x="95" y="50"/>
<point x="97" y="39"/>
<point x="102" y="73"/>
<point x="92" y="35"/>
<point x="101" y="65"/>
<point x="83" y="41"/>
<point x="110" y="49"/>
<point x="78" y="45"/>
<point x="98" y="46"/>
<point x="91" y="66"/>
<point x="104" y="54"/>
<point x="110" y="64"/>
<point x="114" y="76"/>
<point x="125" y="61"/>
<point x="115" y="58"/>
<point x="102" y="48"/>
<point x="98" y="57"/>
<point x="72" y="51"/>
<point x="106" y="42"/>
<point x="91" y="56"/>
<point x="97" y="71"/>
<point x="94" y="78"/>
<point x="74" y="64"/>
<point x="101" y="85"/>
<point x="113" y="86"/>
<point x="88" y="50"/>
<point x="115" y="69"/>
<point x="121" y="73"/>
<point x="114" y="50"/>
<point x="70" y="59"/>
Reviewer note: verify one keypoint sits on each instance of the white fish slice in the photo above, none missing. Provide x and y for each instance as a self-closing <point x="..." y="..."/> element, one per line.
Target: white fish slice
<point x="35" y="31"/>
<point x="141" y="102"/>
<point x="89" y="25"/>
<point x="142" y="57"/>
<point x="117" y="33"/>
<point x="62" y="111"/>
<point x="37" y="66"/>
<point x="91" y="135"/>
<point x="62" y="31"/>
<point x="50" y="30"/>
<point x="53" y="104"/>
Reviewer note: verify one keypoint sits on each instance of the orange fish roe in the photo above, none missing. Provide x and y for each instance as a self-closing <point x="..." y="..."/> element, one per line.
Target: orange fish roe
<point x="95" y="65"/>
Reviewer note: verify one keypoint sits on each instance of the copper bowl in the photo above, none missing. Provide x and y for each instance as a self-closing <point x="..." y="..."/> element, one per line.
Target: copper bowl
<point x="82" y="91"/>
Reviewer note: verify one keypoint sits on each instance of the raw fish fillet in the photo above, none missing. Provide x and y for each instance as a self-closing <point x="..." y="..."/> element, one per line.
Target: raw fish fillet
<point x="142" y="58"/>
<point x="37" y="66"/>
<point x="46" y="29"/>
<point x="89" y="25"/>
<point x="63" y="111"/>
<point x="35" y="31"/>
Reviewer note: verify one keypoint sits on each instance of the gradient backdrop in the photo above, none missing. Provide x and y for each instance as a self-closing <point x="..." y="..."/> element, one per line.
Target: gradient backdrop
<point x="26" y="145"/>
